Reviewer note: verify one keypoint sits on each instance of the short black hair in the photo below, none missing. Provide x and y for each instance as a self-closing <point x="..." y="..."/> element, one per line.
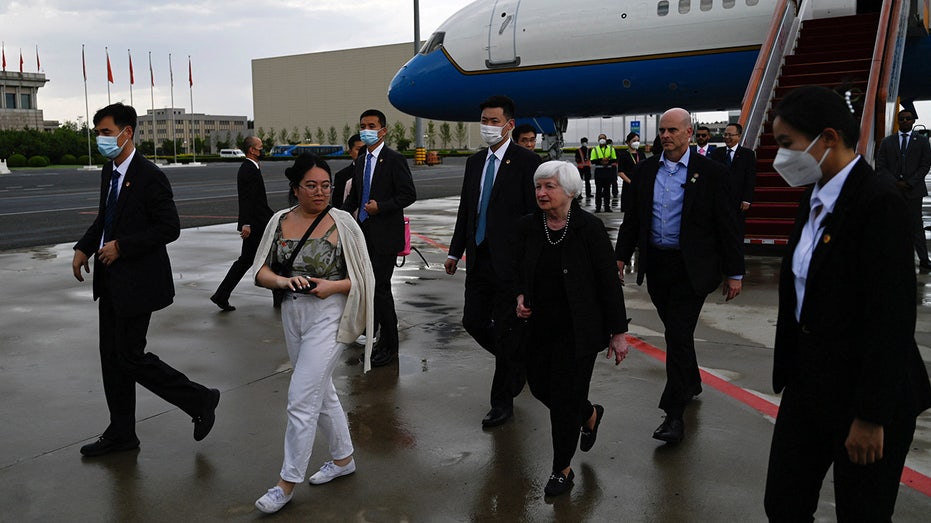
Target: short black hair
<point x="353" y="139"/>
<point x="740" y="128"/>
<point x="584" y="140"/>
<point x="304" y="163"/>
<point x="248" y="143"/>
<point x="909" y="111"/>
<point x="703" y="128"/>
<point x="499" y="100"/>
<point x="123" y="115"/>
<point x="630" y="136"/>
<point x="812" y="109"/>
<point x="521" y="129"/>
<point x="382" y="121"/>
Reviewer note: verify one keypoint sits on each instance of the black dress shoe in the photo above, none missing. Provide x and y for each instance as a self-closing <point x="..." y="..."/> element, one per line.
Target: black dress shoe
<point x="105" y="446"/>
<point x="587" y="439"/>
<point x="382" y="356"/>
<point x="222" y="304"/>
<point x="204" y="422"/>
<point x="558" y="484"/>
<point x="672" y="430"/>
<point x="925" y="266"/>
<point x="496" y="416"/>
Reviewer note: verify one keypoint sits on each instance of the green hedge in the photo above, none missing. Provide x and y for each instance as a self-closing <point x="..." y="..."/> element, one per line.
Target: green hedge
<point x="16" y="160"/>
<point x="38" y="161"/>
<point x="68" y="159"/>
<point x="83" y="159"/>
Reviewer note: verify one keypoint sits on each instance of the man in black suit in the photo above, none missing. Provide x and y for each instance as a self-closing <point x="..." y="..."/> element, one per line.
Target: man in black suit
<point x="682" y="220"/>
<point x="741" y="166"/>
<point x="382" y="186"/>
<point x="254" y="214"/>
<point x="497" y="189"/>
<point x="345" y="174"/>
<point x="906" y="158"/>
<point x="702" y="137"/>
<point x="136" y="219"/>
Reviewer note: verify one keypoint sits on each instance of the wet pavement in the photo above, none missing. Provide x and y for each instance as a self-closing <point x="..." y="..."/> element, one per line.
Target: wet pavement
<point x="421" y="452"/>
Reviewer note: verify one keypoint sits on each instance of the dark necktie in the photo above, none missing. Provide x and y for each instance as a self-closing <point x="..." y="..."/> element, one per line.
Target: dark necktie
<point x="366" y="186"/>
<point x="486" y="197"/>
<point x="110" y="212"/>
<point x="904" y="145"/>
<point x="730" y="156"/>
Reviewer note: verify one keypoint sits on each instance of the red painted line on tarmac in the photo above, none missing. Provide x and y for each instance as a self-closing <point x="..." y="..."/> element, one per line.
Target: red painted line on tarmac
<point x="431" y="242"/>
<point x="910" y="477"/>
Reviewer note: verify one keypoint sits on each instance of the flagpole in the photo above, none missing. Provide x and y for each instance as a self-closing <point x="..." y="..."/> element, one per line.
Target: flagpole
<point x="174" y="141"/>
<point x="129" y="54"/>
<point x="152" y="95"/>
<point x="190" y="79"/>
<point x="87" y="112"/>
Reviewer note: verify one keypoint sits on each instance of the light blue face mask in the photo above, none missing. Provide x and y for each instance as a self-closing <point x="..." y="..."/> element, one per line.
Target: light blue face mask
<point x="107" y="145"/>
<point x="369" y="136"/>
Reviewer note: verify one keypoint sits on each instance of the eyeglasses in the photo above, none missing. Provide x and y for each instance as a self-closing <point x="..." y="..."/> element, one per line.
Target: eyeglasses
<point x="312" y="187"/>
<point x="906" y="118"/>
<point x="702" y="135"/>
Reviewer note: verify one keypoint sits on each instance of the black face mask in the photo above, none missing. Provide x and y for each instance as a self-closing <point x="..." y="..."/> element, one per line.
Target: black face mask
<point x="260" y="154"/>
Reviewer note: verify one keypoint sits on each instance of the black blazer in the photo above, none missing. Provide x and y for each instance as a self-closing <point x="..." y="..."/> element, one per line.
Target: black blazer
<point x="339" y="184"/>
<point x="917" y="162"/>
<point x="512" y="196"/>
<point x="857" y="335"/>
<point x="626" y="163"/>
<point x="393" y="188"/>
<point x="709" y="237"/>
<point x="596" y="301"/>
<point x="146" y="220"/>
<point x="742" y="171"/>
<point x="710" y="149"/>
<point x="253" y="202"/>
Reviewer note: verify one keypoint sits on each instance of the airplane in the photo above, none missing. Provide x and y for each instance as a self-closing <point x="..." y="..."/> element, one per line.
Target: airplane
<point x="561" y="60"/>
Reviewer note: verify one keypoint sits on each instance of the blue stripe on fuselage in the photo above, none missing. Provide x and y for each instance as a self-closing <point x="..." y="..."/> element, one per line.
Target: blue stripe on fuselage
<point x="431" y="86"/>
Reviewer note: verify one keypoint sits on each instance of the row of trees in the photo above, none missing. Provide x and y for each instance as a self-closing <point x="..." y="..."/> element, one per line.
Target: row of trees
<point x="399" y="136"/>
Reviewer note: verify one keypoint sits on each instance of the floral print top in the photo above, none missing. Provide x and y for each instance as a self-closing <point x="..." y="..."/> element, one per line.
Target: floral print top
<point x="318" y="257"/>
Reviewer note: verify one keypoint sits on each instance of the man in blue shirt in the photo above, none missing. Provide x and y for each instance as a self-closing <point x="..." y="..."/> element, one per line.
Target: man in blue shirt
<point x="682" y="220"/>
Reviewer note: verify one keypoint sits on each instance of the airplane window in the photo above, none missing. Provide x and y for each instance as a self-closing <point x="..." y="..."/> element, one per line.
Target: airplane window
<point x="434" y="43"/>
<point x="684" y="6"/>
<point x="752" y="2"/>
<point x="727" y="4"/>
<point x="706" y="5"/>
<point x="662" y="8"/>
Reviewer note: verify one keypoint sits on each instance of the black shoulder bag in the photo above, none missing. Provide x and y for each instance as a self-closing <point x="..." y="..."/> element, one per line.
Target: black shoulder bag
<point x="284" y="269"/>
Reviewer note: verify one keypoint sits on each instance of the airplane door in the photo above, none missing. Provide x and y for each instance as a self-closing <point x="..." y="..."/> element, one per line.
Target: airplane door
<point x="502" y="33"/>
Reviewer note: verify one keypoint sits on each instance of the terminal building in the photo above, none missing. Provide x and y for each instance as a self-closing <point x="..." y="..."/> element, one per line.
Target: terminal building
<point x="19" y="108"/>
<point x="156" y="126"/>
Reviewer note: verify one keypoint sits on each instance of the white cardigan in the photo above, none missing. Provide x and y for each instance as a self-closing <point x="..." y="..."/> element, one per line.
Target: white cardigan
<point x="358" y="315"/>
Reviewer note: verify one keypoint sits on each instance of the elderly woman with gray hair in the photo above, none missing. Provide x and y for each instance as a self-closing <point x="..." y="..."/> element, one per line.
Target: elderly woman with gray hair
<point x="571" y="298"/>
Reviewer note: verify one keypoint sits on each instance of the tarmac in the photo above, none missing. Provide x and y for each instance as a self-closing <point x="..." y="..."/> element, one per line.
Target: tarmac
<point x="421" y="453"/>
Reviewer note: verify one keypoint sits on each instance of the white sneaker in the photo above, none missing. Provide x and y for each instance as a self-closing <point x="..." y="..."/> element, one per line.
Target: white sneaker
<point x="273" y="500"/>
<point x="330" y="471"/>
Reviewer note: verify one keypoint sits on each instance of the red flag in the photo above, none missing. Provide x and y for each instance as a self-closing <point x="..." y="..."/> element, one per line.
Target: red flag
<point x="109" y="70"/>
<point x="132" y="79"/>
<point x="190" y="75"/>
<point x="21" y="61"/>
<point x="38" y="63"/>
<point x="83" y="64"/>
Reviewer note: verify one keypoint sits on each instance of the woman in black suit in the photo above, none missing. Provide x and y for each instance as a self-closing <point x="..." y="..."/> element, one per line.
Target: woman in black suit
<point x="626" y="164"/>
<point x="845" y="358"/>
<point x="570" y="295"/>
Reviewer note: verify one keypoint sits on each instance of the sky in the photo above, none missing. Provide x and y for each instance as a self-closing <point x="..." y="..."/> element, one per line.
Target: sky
<point x="221" y="37"/>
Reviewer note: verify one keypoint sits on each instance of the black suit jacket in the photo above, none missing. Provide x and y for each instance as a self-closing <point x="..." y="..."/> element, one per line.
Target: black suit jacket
<point x="626" y="163"/>
<point x="589" y="276"/>
<point x="393" y="188"/>
<point x="917" y="162"/>
<point x="146" y="220"/>
<point x="253" y="202"/>
<point x="709" y="237"/>
<point x="856" y="335"/>
<point x="511" y="197"/>
<point x="710" y="148"/>
<point x="339" y="184"/>
<point x="742" y="171"/>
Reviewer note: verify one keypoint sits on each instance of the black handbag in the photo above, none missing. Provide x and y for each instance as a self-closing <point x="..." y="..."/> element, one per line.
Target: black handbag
<point x="284" y="269"/>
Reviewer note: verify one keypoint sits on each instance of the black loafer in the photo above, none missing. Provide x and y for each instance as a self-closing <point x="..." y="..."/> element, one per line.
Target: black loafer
<point x="672" y="430"/>
<point x="496" y="416"/>
<point x="558" y="484"/>
<point x="204" y="422"/>
<point x="382" y="356"/>
<point x="105" y="446"/>
<point x="587" y="440"/>
<point x="222" y="304"/>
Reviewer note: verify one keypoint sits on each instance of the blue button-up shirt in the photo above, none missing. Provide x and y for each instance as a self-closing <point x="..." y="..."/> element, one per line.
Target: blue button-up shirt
<point x="668" y="196"/>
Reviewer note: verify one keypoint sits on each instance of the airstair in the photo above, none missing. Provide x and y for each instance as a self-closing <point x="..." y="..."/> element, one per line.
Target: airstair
<point x="857" y="54"/>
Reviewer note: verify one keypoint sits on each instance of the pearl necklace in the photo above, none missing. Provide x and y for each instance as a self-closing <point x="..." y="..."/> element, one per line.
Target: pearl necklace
<point x="546" y="229"/>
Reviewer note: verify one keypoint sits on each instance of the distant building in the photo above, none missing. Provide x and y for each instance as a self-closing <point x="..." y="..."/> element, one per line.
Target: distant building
<point x="19" y="107"/>
<point x="156" y="126"/>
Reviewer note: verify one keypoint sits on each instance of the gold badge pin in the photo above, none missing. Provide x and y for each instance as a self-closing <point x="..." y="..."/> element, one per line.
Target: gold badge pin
<point x="126" y="184"/>
<point x="826" y="238"/>
<point x="507" y="162"/>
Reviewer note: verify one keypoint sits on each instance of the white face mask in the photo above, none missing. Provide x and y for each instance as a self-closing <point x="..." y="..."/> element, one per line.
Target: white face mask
<point x="602" y="142"/>
<point x="491" y="134"/>
<point x="799" y="168"/>
<point x="635" y="145"/>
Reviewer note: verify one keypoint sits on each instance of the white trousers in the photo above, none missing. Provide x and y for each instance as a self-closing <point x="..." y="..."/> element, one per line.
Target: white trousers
<point x="310" y="326"/>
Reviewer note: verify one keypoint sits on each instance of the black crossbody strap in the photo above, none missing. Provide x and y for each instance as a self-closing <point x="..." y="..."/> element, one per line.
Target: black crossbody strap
<point x="286" y="268"/>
